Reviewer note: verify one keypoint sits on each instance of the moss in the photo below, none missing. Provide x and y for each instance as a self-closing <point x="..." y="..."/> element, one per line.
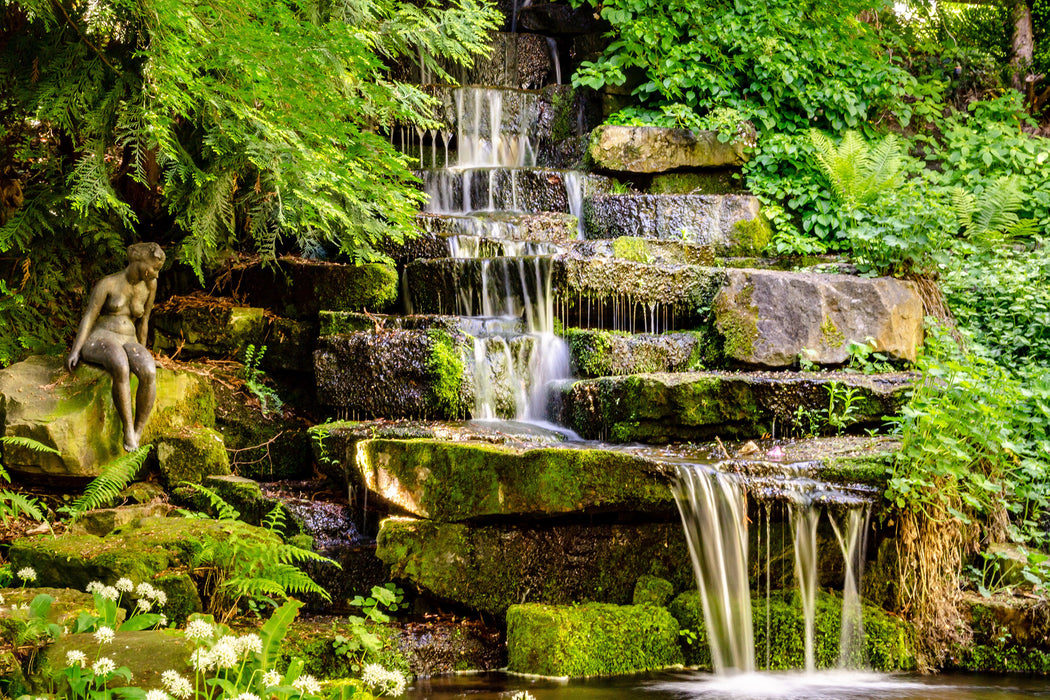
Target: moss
<point x="632" y="248"/>
<point x="445" y="364"/>
<point x="372" y="286"/>
<point x="890" y="642"/>
<point x="738" y="325"/>
<point x="192" y="454"/>
<point x="750" y="236"/>
<point x="594" y="639"/>
<point x="652" y="590"/>
<point x="830" y="335"/>
<point x="183" y="599"/>
<point x="859" y="469"/>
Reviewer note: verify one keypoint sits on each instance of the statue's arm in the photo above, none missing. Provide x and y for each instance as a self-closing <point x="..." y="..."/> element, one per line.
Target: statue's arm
<point x="142" y="324"/>
<point x="94" y="308"/>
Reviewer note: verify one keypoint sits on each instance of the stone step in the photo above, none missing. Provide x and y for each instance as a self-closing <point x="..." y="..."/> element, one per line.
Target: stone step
<point x="594" y="353"/>
<point x="652" y="149"/>
<point x="731" y="223"/>
<point x="336" y="322"/>
<point x="659" y="408"/>
<point x="520" y="189"/>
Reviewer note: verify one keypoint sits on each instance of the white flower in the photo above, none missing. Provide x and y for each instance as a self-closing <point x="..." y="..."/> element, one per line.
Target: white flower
<point x="156" y="695"/>
<point x="109" y="593"/>
<point x="104" y="635"/>
<point x="159" y="597"/>
<point x="307" y="684"/>
<point x="1" y="600"/>
<point x="248" y="643"/>
<point x="199" y="629"/>
<point x="520" y="695"/>
<point x="104" y="666"/>
<point x="144" y="590"/>
<point x="387" y="682"/>
<point x="76" y="658"/>
<point x="124" y="585"/>
<point x="143" y="605"/>
<point x="201" y="660"/>
<point x="247" y="696"/>
<point x="163" y="621"/>
<point x="177" y="685"/>
<point x="271" y="678"/>
<point x="224" y="653"/>
<point x="94" y="587"/>
<point x="27" y="574"/>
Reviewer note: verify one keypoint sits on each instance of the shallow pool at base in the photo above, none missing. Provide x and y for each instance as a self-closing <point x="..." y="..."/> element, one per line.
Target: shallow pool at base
<point x="828" y="685"/>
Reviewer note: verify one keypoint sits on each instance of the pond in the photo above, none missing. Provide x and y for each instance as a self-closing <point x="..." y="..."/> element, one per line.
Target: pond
<point x="829" y="685"/>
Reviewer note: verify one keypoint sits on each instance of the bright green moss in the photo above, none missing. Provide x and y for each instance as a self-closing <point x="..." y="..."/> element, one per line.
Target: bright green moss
<point x="445" y="364"/>
<point x="632" y="248"/>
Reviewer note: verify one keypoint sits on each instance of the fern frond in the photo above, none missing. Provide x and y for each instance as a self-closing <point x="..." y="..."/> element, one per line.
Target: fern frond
<point x="28" y="443"/>
<point x="997" y="209"/>
<point x="275" y="519"/>
<point x="13" y="505"/>
<point x="222" y="507"/>
<point x="290" y="554"/>
<point x="857" y="173"/>
<point x="107" y="486"/>
<point x="879" y="167"/>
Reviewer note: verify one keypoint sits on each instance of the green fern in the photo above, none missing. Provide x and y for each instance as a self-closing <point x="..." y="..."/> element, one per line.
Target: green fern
<point x="223" y="508"/>
<point x="107" y="486"/>
<point x="858" y="172"/>
<point x="14" y="505"/>
<point x="994" y="216"/>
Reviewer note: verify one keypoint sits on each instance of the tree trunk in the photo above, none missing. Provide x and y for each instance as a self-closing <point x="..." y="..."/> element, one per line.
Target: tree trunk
<point x="1023" y="43"/>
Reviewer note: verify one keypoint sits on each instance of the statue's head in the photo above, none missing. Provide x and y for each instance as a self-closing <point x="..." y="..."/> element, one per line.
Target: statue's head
<point x="149" y="256"/>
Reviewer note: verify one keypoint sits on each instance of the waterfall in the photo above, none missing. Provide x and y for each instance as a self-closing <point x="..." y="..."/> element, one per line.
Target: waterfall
<point x="804" y="518"/>
<point x="852" y="654"/>
<point x="714" y="514"/>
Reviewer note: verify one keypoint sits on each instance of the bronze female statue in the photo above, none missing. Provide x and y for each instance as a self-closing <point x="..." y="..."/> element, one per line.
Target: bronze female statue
<point x="113" y="334"/>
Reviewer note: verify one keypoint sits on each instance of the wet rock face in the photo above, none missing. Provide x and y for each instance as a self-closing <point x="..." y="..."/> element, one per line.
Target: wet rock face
<point x="490" y="568"/>
<point x="74" y="413"/>
<point x="732" y="224"/>
<point x="556" y="18"/>
<point x="650" y="149"/>
<point x="511" y="189"/>
<point x="768" y="318"/>
<point x="662" y="408"/>
<point x="394" y="374"/>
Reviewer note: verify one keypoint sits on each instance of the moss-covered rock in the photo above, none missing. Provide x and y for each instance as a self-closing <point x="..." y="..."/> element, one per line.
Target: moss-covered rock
<point x="157" y="550"/>
<point x="213" y="326"/>
<point x="726" y="181"/>
<point x="1011" y="634"/>
<point x="890" y="642"/>
<point x="314" y="641"/>
<point x="489" y="568"/>
<point x="462" y="481"/>
<point x="103" y="521"/>
<point x="652" y="590"/>
<point x="147" y="655"/>
<point x="663" y="407"/>
<point x="191" y="454"/>
<point x="593" y="639"/>
<point x="606" y="353"/>
<point x="74" y="413"/>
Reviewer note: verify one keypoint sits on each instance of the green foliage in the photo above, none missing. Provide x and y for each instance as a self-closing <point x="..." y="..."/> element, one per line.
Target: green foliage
<point x="786" y="66"/>
<point x="254" y="379"/>
<point x="1002" y="297"/>
<point x="731" y="124"/>
<point x="363" y="640"/>
<point x="858" y="172"/>
<point x="223" y="509"/>
<point x="106" y="487"/>
<point x="974" y="443"/>
<point x="446" y="367"/>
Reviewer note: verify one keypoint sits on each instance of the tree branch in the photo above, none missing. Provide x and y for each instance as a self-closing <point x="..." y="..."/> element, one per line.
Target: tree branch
<point x="83" y="36"/>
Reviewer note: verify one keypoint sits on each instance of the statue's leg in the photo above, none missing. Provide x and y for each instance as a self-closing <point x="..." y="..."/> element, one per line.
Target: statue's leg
<point x="106" y="349"/>
<point x="145" y="368"/>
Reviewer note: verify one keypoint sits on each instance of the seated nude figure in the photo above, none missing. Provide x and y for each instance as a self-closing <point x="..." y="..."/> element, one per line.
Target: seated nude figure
<point x="113" y="334"/>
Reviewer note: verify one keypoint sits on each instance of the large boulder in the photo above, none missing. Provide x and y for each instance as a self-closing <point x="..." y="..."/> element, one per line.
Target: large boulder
<point x="768" y="318"/>
<point x="462" y="481"/>
<point x="652" y="149"/>
<point x="594" y="639"/>
<point x="74" y="414"/>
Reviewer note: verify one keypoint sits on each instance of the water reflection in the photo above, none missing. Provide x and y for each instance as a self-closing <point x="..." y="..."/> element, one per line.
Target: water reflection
<point x="826" y="685"/>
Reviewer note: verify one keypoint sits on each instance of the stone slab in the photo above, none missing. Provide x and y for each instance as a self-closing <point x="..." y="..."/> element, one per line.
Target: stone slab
<point x="651" y="149"/>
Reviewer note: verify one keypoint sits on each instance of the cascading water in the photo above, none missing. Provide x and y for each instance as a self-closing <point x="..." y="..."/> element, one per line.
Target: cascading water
<point x="713" y="506"/>
<point x="493" y="152"/>
<point x="714" y="514"/>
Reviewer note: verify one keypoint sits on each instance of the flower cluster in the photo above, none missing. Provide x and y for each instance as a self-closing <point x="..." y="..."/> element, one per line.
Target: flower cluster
<point x="523" y="695"/>
<point x="27" y="574"/>
<point x="176" y="684"/>
<point x="383" y="681"/>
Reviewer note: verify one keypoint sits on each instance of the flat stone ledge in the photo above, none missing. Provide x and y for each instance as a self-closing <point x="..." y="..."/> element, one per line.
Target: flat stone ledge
<point x="651" y="149"/>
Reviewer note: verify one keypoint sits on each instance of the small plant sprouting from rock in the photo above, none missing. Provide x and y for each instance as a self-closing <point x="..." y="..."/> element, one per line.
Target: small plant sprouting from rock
<point x="255" y="380"/>
<point x="362" y="640"/>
